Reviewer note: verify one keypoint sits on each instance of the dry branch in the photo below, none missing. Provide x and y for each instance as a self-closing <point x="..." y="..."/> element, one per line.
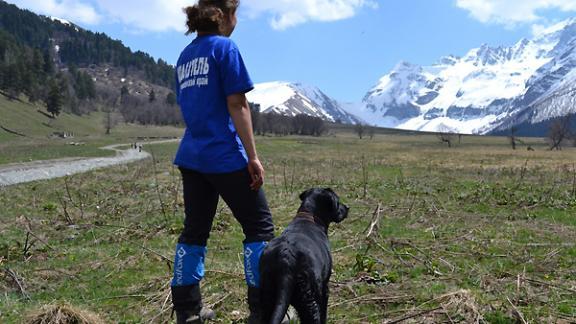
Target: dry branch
<point x="405" y="318"/>
<point x="14" y="277"/>
<point x="374" y="223"/>
<point x="158" y="254"/>
<point x="372" y="298"/>
<point x="517" y="312"/>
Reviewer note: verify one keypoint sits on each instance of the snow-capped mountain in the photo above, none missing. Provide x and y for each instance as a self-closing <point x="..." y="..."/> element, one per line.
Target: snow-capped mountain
<point x="292" y="99"/>
<point x="486" y="90"/>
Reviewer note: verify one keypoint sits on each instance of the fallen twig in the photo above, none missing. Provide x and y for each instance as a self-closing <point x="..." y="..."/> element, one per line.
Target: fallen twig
<point x="372" y="298"/>
<point x="518" y="313"/>
<point x="413" y="315"/>
<point x="235" y="275"/>
<point x="375" y="220"/>
<point x="214" y="304"/>
<point x="549" y="285"/>
<point x="120" y="297"/>
<point x="58" y="271"/>
<point x="14" y="277"/>
<point x="158" y="254"/>
<point x="41" y="240"/>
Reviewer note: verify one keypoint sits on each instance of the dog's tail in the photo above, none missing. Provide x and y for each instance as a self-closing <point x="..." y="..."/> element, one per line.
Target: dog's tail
<point x="284" y="291"/>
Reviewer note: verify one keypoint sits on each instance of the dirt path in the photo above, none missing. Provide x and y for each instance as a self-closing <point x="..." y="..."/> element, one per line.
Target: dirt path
<point x="43" y="170"/>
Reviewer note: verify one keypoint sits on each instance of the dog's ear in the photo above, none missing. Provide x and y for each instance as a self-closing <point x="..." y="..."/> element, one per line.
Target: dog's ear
<point x="305" y="194"/>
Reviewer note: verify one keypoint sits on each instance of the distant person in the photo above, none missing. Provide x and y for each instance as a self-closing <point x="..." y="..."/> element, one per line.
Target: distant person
<point x="217" y="156"/>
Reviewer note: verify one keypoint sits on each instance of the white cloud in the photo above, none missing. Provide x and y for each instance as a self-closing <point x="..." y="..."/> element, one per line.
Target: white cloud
<point x="150" y="15"/>
<point x="158" y="15"/>
<point x="513" y="12"/>
<point x="74" y="10"/>
<point x="162" y="15"/>
<point x="289" y="13"/>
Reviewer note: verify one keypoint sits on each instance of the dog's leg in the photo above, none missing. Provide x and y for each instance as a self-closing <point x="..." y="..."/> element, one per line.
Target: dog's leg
<point x="307" y="300"/>
<point x="308" y="313"/>
<point x="324" y="303"/>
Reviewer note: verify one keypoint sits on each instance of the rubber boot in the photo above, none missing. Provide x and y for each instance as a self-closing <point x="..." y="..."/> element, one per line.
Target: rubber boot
<point x="188" y="306"/>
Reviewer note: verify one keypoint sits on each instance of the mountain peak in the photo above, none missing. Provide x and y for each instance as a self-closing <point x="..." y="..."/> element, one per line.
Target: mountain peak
<point x="448" y="60"/>
<point x="475" y="93"/>
<point x="405" y="66"/>
<point x="555" y="28"/>
<point x="295" y="98"/>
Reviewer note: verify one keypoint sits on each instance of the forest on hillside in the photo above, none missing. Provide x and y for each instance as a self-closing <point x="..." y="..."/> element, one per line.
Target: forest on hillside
<point x="47" y="60"/>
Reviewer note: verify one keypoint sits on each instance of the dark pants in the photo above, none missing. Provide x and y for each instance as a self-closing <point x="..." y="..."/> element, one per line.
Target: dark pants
<point x="201" y="194"/>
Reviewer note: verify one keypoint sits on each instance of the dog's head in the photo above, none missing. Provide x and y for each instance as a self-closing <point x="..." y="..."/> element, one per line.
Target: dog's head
<point x="325" y="204"/>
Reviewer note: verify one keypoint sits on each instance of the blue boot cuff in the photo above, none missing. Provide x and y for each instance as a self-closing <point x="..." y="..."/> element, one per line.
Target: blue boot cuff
<point x="188" y="265"/>
<point x="252" y="254"/>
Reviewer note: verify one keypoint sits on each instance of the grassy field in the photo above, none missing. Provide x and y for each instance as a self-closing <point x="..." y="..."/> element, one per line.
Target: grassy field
<point x="473" y="233"/>
<point x="38" y="142"/>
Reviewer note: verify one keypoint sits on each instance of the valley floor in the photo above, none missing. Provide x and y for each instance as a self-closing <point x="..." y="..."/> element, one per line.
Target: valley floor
<point x="477" y="232"/>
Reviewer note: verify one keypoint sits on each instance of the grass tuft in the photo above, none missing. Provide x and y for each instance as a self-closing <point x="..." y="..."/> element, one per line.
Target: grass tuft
<point x="63" y="314"/>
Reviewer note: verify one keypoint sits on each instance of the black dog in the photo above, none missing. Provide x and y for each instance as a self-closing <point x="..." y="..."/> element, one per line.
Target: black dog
<point x="296" y="266"/>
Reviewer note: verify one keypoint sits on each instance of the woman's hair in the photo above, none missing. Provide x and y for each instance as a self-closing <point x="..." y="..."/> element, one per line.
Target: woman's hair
<point x="209" y="15"/>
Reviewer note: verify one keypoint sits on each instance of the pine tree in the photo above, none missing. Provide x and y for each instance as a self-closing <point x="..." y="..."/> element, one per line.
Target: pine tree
<point x="123" y="94"/>
<point x="55" y="98"/>
<point x="171" y="99"/>
<point x="48" y="63"/>
<point x="152" y="96"/>
<point x="12" y="81"/>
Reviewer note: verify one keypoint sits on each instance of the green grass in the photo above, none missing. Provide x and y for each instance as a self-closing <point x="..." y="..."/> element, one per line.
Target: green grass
<point x="40" y="144"/>
<point x="479" y="231"/>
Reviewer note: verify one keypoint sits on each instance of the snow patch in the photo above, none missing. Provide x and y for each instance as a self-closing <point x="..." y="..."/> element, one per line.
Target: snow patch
<point x="270" y="94"/>
<point x="62" y="21"/>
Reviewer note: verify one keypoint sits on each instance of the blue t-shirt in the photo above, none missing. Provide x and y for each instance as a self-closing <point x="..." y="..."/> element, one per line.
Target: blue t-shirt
<point x="208" y="71"/>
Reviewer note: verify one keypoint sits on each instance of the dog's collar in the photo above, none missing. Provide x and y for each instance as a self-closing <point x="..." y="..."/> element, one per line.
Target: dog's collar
<point x="310" y="217"/>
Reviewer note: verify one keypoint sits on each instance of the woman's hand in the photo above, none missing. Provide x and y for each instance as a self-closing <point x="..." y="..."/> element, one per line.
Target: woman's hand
<point x="256" y="174"/>
<point x="240" y="113"/>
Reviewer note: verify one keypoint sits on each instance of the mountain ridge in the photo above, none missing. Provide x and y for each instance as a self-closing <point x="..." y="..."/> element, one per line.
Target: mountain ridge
<point x="293" y="98"/>
<point x="483" y="91"/>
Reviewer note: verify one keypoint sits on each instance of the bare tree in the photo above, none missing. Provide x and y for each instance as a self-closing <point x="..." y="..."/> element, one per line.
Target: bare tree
<point x="110" y="118"/>
<point x="255" y="114"/>
<point x="371" y="131"/>
<point x="360" y="129"/>
<point x="512" y="137"/>
<point x="559" y="132"/>
<point x="446" y="135"/>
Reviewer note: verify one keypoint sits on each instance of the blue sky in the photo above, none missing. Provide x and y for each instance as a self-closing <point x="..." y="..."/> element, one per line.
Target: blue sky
<point x="341" y="46"/>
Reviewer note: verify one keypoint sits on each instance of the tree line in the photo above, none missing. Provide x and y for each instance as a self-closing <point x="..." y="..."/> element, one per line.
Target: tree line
<point x="282" y="125"/>
<point x="31" y="72"/>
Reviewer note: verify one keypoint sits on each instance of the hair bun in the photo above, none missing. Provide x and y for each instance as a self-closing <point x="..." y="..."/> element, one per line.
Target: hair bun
<point x="208" y="15"/>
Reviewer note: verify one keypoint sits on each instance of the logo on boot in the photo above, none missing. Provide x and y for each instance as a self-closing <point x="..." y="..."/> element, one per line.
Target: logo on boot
<point x="181" y="252"/>
<point x="179" y="266"/>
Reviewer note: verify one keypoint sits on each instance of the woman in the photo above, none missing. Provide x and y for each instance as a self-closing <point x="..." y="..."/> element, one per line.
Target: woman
<point x="217" y="156"/>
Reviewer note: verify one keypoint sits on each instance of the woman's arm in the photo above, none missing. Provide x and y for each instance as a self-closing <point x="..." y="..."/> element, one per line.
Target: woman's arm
<point x="239" y="110"/>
